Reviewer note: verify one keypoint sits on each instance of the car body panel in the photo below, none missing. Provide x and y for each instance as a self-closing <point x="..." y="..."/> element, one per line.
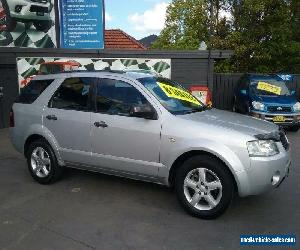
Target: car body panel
<point x="127" y="138"/>
<point x="70" y="124"/>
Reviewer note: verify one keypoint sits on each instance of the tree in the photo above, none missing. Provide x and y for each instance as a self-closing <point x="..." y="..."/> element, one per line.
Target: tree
<point x="295" y="26"/>
<point x="261" y="37"/>
<point x="264" y="34"/>
<point x="189" y="22"/>
<point x="186" y="25"/>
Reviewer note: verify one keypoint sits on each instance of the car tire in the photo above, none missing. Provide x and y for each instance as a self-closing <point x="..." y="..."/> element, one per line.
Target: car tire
<point x="210" y="195"/>
<point x="43" y="26"/>
<point x="42" y="162"/>
<point x="11" y="23"/>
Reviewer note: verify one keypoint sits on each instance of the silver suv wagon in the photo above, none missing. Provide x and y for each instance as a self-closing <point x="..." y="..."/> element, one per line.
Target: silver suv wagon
<point x="144" y="127"/>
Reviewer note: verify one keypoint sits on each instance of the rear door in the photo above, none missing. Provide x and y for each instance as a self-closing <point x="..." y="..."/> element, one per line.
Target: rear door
<point x="68" y="118"/>
<point x="123" y="143"/>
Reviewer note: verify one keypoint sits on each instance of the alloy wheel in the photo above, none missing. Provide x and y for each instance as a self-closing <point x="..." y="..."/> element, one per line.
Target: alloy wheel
<point x="202" y="189"/>
<point x="40" y="162"/>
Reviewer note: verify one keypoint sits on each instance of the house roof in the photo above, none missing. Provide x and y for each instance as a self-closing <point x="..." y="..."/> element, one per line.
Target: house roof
<point x="118" y="39"/>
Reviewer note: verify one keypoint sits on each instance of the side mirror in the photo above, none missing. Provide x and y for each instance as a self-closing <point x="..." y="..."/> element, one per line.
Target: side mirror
<point x="143" y="111"/>
<point x="243" y="91"/>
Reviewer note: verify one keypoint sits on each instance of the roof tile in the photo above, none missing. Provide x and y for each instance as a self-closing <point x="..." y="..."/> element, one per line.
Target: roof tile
<point x="118" y="39"/>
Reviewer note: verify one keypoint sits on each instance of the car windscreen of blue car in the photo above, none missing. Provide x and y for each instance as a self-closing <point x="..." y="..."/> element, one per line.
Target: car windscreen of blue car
<point x="270" y="88"/>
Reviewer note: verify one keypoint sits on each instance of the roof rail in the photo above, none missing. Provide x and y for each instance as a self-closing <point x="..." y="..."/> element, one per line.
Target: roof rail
<point x="85" y="71"/>
<point x="110" y="71"/>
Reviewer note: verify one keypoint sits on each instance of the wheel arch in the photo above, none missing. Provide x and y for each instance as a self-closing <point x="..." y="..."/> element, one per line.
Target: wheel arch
<point x="36" y="136"/>
<point x="30" y="140"/>
<point x="183" y="157"/>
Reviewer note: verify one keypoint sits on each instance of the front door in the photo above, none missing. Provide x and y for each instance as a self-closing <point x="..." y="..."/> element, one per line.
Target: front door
<point x="68" y="118"/>
<point x="120" y="142"/>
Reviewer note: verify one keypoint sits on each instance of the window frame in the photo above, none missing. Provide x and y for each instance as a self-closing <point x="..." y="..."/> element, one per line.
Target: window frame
<point x="90" y="96"/>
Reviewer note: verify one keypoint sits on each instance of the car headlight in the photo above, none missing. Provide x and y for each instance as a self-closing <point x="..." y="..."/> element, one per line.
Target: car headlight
<point x="296" y="107"/>
<point x="258" y="105"/>
<point x="262" y="148"/>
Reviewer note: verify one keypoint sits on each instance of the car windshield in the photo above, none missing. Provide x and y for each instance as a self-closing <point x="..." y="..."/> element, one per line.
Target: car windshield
<point x="270" y="87"/>
<point x="176" y="99"/>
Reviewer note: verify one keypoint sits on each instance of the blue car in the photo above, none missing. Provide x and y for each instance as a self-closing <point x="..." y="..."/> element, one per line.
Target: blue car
<point x="267" y="97"/>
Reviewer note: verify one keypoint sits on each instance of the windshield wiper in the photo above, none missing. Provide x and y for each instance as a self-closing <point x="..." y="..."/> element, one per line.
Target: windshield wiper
<point x="195" y="110"/>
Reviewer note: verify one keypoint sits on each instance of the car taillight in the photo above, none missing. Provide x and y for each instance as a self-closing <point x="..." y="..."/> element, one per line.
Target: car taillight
<point x="11" y="119"/>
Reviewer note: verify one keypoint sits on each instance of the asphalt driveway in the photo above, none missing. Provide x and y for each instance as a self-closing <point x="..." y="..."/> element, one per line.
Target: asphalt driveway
<point x="93" y="211"/>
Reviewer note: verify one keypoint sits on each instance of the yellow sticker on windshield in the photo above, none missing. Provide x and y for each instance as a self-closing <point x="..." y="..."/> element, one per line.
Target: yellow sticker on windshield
<point x="269" y="88"/>
<point x="178" y="93"/>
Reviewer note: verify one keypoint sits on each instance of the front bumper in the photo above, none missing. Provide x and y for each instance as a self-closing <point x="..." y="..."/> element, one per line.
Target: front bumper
<point x="265" y="173"/>
<point x="291" y="119"/>
<point x="24" y="10"/>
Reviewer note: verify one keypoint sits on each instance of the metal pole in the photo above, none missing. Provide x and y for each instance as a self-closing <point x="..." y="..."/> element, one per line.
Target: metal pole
<point x="209" y="72"/>
<point x="2" y="125"/>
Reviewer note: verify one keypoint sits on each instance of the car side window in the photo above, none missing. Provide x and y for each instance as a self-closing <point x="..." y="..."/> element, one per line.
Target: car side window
<point x="33" y="90"/>
<point x="74" y="94"/>
<point x="116" y="97"/>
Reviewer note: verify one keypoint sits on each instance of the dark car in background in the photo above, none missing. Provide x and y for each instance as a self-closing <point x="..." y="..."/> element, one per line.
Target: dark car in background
<point x="268" y="97"/>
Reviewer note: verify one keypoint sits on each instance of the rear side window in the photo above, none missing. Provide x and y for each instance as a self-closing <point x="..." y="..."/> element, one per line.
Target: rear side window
<point x="33" y="90"/>
<point x="74" y="94"/>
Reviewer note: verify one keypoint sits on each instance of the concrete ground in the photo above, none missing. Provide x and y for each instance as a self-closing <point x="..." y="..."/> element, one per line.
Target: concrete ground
<point x="93" y="211"/>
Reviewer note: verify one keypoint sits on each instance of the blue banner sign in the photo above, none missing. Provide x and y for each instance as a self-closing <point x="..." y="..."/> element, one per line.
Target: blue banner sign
<point x="82" y="24"/>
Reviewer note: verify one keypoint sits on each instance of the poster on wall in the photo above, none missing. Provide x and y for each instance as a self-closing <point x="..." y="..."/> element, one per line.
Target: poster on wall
<point x="81" y="24"/>
<point x="27" y="23"/>
<point x="30" y="67"/>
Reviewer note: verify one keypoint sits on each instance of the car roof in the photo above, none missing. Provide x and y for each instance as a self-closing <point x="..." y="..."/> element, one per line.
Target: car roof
<point x="101" y="73"/>
<point x="61" y="63"/>
<point x="263" y="77"/>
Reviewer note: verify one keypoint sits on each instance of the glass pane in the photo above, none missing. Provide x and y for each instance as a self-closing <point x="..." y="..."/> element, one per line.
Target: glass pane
<point x="33" y="90"/>
<point x="270" y="87"/>
<point x="73" y="94"/>
<point x="117" y="97"/>
<point x="172" y="95"/>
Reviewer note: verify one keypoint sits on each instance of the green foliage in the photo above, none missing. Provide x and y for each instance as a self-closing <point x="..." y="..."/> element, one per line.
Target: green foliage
<point x="264" y="34"/>
<point x="186" y="22"/>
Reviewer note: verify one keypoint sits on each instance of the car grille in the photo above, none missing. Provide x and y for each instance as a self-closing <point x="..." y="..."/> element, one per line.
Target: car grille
<point x="284" y="140"/>
<point x="38" y="9"/>
<point x="279" y="109"/>
<point x="39" y="1"/>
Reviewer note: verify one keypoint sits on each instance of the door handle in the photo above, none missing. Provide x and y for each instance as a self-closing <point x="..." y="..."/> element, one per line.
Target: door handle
<point x="51" y="117"/>
<point x="100" y="124"/>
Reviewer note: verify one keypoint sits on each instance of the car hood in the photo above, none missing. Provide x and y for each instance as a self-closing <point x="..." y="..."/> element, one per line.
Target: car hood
<point x="232" y="121"/>
<point x="276" y="100"/>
